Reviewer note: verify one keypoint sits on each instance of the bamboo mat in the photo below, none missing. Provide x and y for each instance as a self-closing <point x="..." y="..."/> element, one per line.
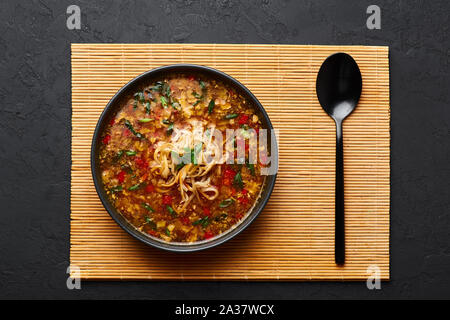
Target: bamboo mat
<point x="293" y="238"/>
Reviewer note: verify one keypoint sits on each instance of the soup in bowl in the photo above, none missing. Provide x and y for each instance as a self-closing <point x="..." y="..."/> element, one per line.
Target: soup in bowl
<point x="178" y="157"/>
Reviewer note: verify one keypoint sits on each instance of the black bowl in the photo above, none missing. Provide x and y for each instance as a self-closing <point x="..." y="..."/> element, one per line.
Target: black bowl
<point x="123" y="95"/>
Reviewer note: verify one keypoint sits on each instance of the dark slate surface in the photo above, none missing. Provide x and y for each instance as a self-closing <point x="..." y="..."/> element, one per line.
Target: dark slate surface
<point x="35" y="111"/>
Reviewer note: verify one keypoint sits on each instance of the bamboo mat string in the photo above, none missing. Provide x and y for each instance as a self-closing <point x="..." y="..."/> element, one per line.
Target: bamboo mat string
<point x="312" y="87"/>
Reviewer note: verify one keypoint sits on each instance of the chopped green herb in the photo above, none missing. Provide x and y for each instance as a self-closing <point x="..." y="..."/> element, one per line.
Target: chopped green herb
<point x="203" y="222"/>
<point x="193" y="158"/>
<point x="238" y="180"/>
<point x="131" y="153"/>
<point x="226" y="203"/>
<point x="158" y="86"/>
<point x="221" y="217"/>
<point x="196" y="95"/>
<point x="164" y="101"/>
<point x="147" y="207"/>
<point x="176" y="105"/>
<point x="211" y="106"/>
<point x="202" y="84"/>
<point x="150" y="222"/>
<point x="127" y="167"/>
<point x="119" y="155"/>
<point x="179" y="166"/>
<point x="130" y="127"/>
<point x="166" y="89"/>
<point x="147" y="107"/>
<point x="169" y="129"/>
<point x="145" y="120"/>
<point x="135" y="187"/>
<point x="168" y="232"/>
<point x="166" y="121"/>
<point x="116" y="189"/>
<point x="231" y="116"/>
<point x="194" y="153"/>
<point x="171" y="211"/>
<point x="139" y="96"/>
<point x="251" y="167"/>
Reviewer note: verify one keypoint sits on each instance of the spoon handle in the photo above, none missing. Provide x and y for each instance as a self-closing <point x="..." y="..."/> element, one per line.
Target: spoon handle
<point x="339" y="234"/>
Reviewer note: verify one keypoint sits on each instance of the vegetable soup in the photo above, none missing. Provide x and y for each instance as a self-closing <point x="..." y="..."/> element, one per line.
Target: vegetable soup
<point x="165" y="163"/>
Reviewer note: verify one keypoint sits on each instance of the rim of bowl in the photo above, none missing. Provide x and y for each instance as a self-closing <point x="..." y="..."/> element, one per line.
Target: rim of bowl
<point x="111" y="109"/>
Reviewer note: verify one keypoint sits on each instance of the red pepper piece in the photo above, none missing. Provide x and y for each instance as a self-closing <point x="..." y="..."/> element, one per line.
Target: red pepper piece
<point x="243" y="119"/>
<point x="228" y="176"/>
<point x="141" y="163"/>
<point x="167" y="199"/>
<point x="206" y="211"/>
<point x="149" y="188"/>
<point x="208" y="234"/>
<point x="243" y="200"/>
<point x="152" y="233"/>
<point x="185" y="220"/>
<point x="229" y="173"/>
<point x="106" y="139"/>
<point x="121" y="176"/>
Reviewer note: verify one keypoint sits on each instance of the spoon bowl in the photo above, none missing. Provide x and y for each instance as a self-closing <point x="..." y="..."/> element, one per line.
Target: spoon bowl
<point x="339" y="85"/>
<point x="338" y="88"/>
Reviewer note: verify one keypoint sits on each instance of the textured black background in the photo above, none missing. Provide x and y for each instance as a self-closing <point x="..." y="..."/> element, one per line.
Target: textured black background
<point x="35" y="130"/>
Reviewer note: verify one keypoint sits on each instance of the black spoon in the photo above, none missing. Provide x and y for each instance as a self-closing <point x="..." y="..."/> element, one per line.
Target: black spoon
<point x="338" y="88"/>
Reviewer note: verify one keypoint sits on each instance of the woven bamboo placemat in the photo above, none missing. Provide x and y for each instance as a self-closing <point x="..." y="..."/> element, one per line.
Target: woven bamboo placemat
<point x="293" y="238"/>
